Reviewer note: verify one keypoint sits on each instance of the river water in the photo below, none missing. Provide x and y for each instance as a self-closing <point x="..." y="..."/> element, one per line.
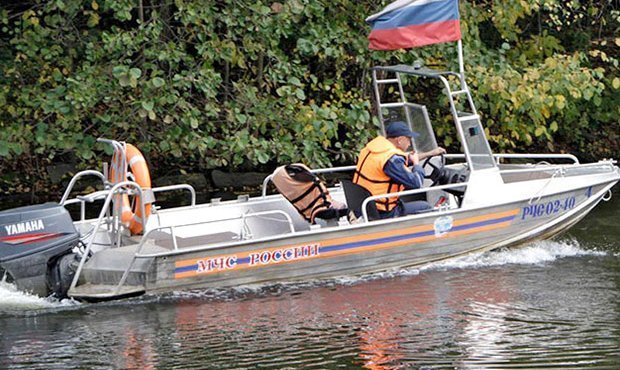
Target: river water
<point x="548" y="304"/>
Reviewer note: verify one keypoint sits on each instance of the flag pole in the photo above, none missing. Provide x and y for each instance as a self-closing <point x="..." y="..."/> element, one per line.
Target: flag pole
<point x="461" y="63"/>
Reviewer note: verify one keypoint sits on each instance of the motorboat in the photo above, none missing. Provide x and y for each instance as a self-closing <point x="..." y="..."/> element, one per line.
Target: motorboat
<point x="481" y="201"/>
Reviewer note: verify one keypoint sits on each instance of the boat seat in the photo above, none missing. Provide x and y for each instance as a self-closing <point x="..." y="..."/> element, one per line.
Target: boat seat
<point x="355" y="196"/>
<point x="330" y="216"/>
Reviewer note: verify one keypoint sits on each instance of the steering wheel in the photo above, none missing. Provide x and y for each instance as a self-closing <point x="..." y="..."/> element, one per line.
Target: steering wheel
<point x="437" y="170"/>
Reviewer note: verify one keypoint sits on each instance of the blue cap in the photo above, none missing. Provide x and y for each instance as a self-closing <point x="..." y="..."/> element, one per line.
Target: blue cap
<point x="399" y="128"/>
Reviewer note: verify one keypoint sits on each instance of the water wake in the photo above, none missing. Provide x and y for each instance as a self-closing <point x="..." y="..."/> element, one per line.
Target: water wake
<point x="538" y="252"/>
<point x="14" y="301"/>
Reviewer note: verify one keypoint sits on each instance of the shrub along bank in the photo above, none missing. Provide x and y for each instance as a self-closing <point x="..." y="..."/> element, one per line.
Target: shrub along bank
<point x="238" y="85"/>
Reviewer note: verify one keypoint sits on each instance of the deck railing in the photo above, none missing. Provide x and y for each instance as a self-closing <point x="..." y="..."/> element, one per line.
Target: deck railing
<point x="187" y="187"/>
<point x="102" y="194"/>
<point x="117" y="189"/>
<point x="405" y="192"/>
<point x="136" y="255"/>
<point x="500" y="156"/>
<point x="243" y="217"/>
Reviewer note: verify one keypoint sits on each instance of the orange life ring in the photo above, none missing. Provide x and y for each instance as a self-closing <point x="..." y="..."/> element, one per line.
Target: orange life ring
<point x="140" y="171"/>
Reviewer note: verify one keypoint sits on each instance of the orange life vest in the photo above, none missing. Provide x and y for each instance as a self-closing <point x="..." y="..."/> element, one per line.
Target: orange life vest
<point x="303" y="189"/>
<point x="369" y="172"/>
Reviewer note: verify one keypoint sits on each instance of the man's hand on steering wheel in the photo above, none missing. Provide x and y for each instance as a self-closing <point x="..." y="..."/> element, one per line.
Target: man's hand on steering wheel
<point x="433" y="153"/>
<point x="435" y="174"/>
<point x="415" y="157"/>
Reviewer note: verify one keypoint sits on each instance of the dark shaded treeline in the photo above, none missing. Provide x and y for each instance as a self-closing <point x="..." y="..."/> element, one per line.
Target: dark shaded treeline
<point x="241" y="85"/>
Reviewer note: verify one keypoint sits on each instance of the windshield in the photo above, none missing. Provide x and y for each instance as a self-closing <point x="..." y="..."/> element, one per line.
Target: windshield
<point x="417" y="117"/>
<point x="477" y="145"/>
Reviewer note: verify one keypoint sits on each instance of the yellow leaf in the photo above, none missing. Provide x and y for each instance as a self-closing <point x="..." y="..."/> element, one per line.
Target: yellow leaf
<point x="604" y="56"/>
<point x="551" y="62"/>
<point x="539" y="131"/>
<point x="94" y="5"/>
<point x="617" y="41"/>
<point x="560" y="101"/>
<point x="554" y="126"/>
<point x="93" y="20"/>
<point x="616" y="83"/>
<point x="27" y="14"/>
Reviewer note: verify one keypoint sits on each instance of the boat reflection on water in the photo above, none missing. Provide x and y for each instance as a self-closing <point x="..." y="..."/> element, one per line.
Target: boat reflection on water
<point x="409" y="320"/>
<point x="534" y="307"/>
<point x="138" y="352"/>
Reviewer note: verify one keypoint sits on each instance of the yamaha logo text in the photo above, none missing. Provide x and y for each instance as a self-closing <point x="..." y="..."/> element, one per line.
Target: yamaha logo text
<point x="24" y="227"/>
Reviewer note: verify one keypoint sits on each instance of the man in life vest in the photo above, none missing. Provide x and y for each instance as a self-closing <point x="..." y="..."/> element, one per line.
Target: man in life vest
<point x="383" y="166"/>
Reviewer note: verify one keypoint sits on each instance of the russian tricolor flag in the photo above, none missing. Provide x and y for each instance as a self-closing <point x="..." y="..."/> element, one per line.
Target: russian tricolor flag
<point x="413" y="23"/>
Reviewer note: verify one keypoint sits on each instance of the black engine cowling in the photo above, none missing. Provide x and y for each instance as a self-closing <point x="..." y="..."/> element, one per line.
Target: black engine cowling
<point x="35" y="248"/>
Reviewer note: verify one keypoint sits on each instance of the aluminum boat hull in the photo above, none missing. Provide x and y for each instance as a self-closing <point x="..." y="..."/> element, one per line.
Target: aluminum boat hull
<point x="333" y="251"/>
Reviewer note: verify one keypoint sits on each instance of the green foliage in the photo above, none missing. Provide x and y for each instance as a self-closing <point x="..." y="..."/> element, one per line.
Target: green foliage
<point x="241" y="84"/>
<point x="539" y="101"/>
<point x="551" y="83"/>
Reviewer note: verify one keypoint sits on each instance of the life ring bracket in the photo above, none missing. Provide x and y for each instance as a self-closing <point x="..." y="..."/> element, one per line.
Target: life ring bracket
<point x="129" y="156"/>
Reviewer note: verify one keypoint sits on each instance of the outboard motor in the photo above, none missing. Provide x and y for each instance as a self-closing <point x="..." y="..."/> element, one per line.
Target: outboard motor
<point x="36" y="245"/>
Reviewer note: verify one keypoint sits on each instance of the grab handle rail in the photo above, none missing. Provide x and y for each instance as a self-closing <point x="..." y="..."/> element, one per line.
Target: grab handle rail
<point x="537" y="156"/>
<point x="175" y="244"/>
<point x="104" y="209"/>
<point x="405" y="192"/>
<point x="561" y="171"/>
<point x="101" y="194"/>
<point x="243" y="216"/>
<point x="499" y="156"/>
<point x="539" y="193"/>
<point x="74" y="180"/>
<point x="188" y="187"/>
<point x="565" y="168"/>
